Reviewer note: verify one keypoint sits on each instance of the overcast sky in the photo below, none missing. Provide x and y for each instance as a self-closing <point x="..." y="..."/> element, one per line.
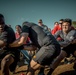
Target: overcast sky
<point x="18" y="11"/>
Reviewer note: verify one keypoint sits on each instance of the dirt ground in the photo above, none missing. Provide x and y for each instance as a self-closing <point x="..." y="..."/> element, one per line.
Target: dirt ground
<point x="63" y="69"/>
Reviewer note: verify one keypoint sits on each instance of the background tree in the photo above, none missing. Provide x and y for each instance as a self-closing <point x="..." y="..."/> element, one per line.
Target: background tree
<point x="74" y="23"/>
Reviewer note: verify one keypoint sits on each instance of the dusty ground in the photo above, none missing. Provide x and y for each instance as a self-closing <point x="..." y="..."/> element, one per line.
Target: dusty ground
<point x="64" y="69"/>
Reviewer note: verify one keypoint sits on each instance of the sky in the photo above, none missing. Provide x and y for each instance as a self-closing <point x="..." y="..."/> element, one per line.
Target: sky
<point x="50" y="11"/>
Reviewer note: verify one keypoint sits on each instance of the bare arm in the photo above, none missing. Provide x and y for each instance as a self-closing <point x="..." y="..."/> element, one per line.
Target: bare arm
<point x="20" y="41"/>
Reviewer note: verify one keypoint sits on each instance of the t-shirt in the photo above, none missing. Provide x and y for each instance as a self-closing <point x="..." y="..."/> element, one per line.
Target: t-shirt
<point x="38" y="35"/>
<point x="8" y="36"/>
<point x="66" y="38"/>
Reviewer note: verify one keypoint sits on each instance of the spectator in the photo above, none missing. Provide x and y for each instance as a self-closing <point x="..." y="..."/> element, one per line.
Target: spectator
<point x="40" y="23"/>
<point x="57" y="27"/>
<point x="56" y="23"/>
<point x="18" y="31"/>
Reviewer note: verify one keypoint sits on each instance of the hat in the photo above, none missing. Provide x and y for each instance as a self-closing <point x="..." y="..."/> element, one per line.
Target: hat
<point x="40" y="21"/>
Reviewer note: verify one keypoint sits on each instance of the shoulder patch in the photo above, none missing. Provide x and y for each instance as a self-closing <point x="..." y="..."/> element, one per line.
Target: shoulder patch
<point x="34" y="56"/>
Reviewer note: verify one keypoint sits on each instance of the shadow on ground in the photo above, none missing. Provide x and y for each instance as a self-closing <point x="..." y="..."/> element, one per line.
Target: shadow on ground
<point x="65" y="69"/>
<point x="73" y="72"/>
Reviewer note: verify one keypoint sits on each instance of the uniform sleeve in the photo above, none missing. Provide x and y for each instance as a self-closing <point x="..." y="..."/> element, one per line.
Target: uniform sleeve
<point x="57" y="34"/>
<point x="11" y="36"/>
<point x="3" y="36"/>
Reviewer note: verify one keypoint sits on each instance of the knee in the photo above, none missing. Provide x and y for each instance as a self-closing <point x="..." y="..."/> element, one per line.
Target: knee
<point x="4" y="63"/>
<point x="63" y="54"/>
<point x="34" y="65"/>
